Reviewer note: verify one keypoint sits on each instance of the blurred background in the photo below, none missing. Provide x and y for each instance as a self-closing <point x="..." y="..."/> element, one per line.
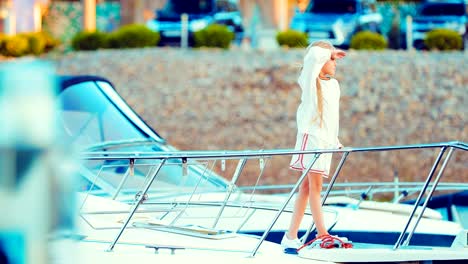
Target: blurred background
<point x="222" y="75"/>
<point x="254" y="22"/>
<point x="404" y="80"/>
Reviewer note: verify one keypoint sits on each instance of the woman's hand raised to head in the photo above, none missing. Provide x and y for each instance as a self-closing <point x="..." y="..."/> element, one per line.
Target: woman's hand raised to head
<point x="337" y="54"/>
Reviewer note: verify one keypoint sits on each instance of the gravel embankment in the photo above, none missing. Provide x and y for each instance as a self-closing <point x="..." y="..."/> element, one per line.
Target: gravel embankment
<point x="216" y="100"/>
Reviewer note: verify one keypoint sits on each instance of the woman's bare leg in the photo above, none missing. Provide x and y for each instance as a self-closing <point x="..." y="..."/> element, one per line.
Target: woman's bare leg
<point x="299" y="209"/>
<point x="315" y="187"/>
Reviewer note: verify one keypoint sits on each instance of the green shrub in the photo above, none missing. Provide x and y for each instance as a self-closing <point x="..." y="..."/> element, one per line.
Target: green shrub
<point x="89" y="40"/>
<point x="292" y="39"/>
<point x="15" y="46"/>
<point x="215" y="36"/>
<point x="2" y="41"/>
<point x="36" y="43"/>
<point x="50" y="42"/>
<point x="443" y="39"/>
<point x="367" y="40"/>
<point x="133" y="36"/>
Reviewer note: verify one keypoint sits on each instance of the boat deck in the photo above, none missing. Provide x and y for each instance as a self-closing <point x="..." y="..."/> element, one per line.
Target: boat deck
<point x="372" y="253"/>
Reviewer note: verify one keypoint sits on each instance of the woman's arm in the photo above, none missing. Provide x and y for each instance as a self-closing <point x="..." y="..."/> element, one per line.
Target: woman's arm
<point x="337" y="54"/>
<point x="314" y="60"/>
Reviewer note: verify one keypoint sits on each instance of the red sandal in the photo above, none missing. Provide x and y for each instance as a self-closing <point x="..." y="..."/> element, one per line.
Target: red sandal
<point x="328" y="241"/>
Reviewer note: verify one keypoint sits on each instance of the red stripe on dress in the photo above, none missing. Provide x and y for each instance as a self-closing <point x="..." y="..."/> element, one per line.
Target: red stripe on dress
<point x="304" y="145"/>
<point x="299" y="156"/>
<point x="311" y="170"/>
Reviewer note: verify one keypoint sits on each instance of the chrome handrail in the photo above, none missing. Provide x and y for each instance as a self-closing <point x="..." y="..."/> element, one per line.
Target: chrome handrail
<point x="251" y="154"/>
<point x="222" y="155"/>
<point x="389" y="184"/>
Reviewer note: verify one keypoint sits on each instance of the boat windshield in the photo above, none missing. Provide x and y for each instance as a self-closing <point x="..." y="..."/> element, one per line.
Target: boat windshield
<point x="93" y="117"/>
<point x="88" y="118"/>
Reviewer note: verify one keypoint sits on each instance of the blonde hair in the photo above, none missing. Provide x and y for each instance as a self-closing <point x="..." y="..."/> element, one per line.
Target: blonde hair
<point x="326" y="45"/>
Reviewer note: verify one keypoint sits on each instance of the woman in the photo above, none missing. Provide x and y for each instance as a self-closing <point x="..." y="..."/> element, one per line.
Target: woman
<point x="317" y="124"/>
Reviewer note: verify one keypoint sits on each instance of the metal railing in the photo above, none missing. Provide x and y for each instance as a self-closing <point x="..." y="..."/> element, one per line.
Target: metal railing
<point x="185" y="156"/>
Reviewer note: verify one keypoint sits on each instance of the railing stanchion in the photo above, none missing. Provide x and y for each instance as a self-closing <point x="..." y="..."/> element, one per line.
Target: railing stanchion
<point x="434" y="186"/>
<point x="418" y="200"/>
<point x="135" y="206"/>
<point x="237" y="173"/>
<point x="189" y="199"/>
<point x="130" y="171"/>
<point x="327" y="192"/>
<point x="291" y="194"/>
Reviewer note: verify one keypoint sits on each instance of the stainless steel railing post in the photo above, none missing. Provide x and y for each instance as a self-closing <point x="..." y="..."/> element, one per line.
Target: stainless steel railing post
<point x="179" y="215"/>
<point x="130" y="171"/>
<point x="434" y="186"/>
<point x="291" y="194"/>
<point x="418" y="200"/>
<point x="240" y="167"/>
<point x="135" y="206"/>
<point x="327" y="192"/>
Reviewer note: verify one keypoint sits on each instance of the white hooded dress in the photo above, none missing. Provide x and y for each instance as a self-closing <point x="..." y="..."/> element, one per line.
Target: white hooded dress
<point x="311" y="132"/>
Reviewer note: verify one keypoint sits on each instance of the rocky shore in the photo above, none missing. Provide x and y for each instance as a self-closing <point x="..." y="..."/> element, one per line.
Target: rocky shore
<point x="235" y="100"/>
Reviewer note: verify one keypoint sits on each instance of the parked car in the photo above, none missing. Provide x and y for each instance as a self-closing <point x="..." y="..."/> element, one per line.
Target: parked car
<point x="201" y="13"/>
<point x="337" y="20"/>
<point x="447" y="14"/>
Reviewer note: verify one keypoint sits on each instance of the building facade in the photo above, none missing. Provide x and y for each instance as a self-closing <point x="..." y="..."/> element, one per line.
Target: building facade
<point x="18" y="16"/>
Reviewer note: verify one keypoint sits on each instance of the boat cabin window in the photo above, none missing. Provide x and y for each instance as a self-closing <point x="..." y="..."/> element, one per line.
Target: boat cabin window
<point x="91" y="114"/>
